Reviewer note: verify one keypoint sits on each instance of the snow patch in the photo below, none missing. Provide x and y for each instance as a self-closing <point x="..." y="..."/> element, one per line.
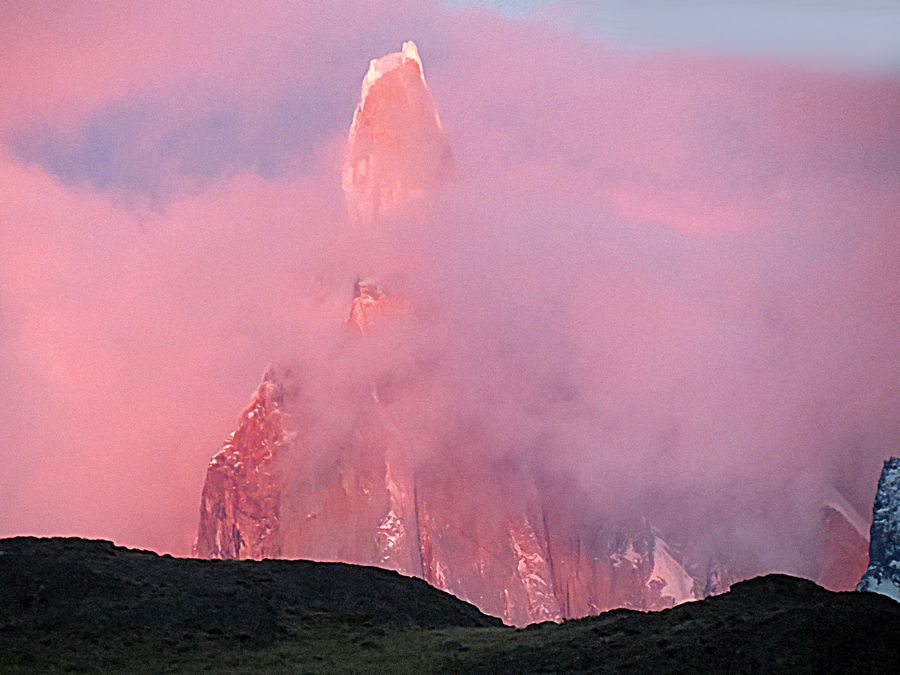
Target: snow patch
<point x="392" y="529"/>
<point x="533" y="571"/>
<point x="379" y="67"/>
<point x="669" y="575"/>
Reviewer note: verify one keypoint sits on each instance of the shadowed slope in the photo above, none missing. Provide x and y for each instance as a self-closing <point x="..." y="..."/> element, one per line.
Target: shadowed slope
<point x="95" y="588"/>
<point x="71" y="604"/>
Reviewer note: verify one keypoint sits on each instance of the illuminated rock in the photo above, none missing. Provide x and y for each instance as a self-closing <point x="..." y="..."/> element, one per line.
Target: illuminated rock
<point x="397" y="150"/>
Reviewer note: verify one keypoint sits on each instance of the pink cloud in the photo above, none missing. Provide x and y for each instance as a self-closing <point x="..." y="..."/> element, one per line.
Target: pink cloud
<point x="577" y="236"/>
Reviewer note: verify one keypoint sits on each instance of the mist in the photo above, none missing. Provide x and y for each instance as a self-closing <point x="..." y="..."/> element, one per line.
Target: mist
<point x="664" y="285"/>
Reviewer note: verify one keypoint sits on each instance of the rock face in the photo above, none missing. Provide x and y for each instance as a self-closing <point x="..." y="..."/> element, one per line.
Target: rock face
<point x="241" y="500"/>
<point x="844" y="537"/>
<point x="397" y="150"/>
<point x="376" y="489"/>
<point x="275" y="491"/>
<point x="883" y="573"/>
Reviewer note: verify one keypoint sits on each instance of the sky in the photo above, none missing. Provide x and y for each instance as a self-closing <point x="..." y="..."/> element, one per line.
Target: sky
<point x="700" y="242"/>
<point x="849" y="34"/>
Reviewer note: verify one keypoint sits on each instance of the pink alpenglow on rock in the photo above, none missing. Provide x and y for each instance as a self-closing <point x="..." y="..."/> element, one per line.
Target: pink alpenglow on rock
<point x="397" y="150"/>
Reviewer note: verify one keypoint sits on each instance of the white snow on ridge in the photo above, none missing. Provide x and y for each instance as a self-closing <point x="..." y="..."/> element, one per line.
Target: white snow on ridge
<point x="677" y="583"/>
<point x="884" y="587"/>
<point x="630" y="555"/>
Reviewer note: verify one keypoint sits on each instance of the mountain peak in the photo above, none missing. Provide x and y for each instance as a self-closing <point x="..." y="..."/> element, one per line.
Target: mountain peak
<point x="396" y="148"/>
<point x="384" y="64"/>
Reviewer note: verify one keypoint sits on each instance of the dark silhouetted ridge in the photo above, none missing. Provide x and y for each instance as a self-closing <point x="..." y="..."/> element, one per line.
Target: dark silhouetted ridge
<point x="78" y="605"/>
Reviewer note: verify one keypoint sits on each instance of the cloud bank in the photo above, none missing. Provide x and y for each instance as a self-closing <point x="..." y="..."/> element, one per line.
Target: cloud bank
<point x="672" y="281"/>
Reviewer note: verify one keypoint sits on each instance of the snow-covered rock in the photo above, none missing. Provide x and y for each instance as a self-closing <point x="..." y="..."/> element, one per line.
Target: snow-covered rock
<point x="668" y="577"/>
<point x="883" y="574"/>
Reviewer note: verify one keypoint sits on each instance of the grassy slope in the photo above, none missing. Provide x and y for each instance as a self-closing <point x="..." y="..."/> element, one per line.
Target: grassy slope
<point x="70" y="604"/>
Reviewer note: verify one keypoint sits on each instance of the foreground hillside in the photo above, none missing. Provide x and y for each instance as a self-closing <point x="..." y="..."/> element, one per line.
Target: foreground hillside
<point x="71" y="604"/>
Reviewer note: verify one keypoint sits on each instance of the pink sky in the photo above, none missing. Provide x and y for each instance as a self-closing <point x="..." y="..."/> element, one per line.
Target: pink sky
<point x="706" y="248"/>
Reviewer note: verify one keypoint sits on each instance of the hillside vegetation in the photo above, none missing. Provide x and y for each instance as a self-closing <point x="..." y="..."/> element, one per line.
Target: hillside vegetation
<point x="77" y="605"/>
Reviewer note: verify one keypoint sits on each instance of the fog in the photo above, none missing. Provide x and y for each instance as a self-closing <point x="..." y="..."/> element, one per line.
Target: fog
<point x="669" y="282"/>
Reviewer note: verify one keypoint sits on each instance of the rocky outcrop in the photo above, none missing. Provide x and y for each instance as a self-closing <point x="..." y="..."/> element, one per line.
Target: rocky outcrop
<point x="397" y="150"/>
<point x="241" y="500"/>
<point x="274" y="490"/>
<point x="278" y="489"/>
<point x="883" y="572"/>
